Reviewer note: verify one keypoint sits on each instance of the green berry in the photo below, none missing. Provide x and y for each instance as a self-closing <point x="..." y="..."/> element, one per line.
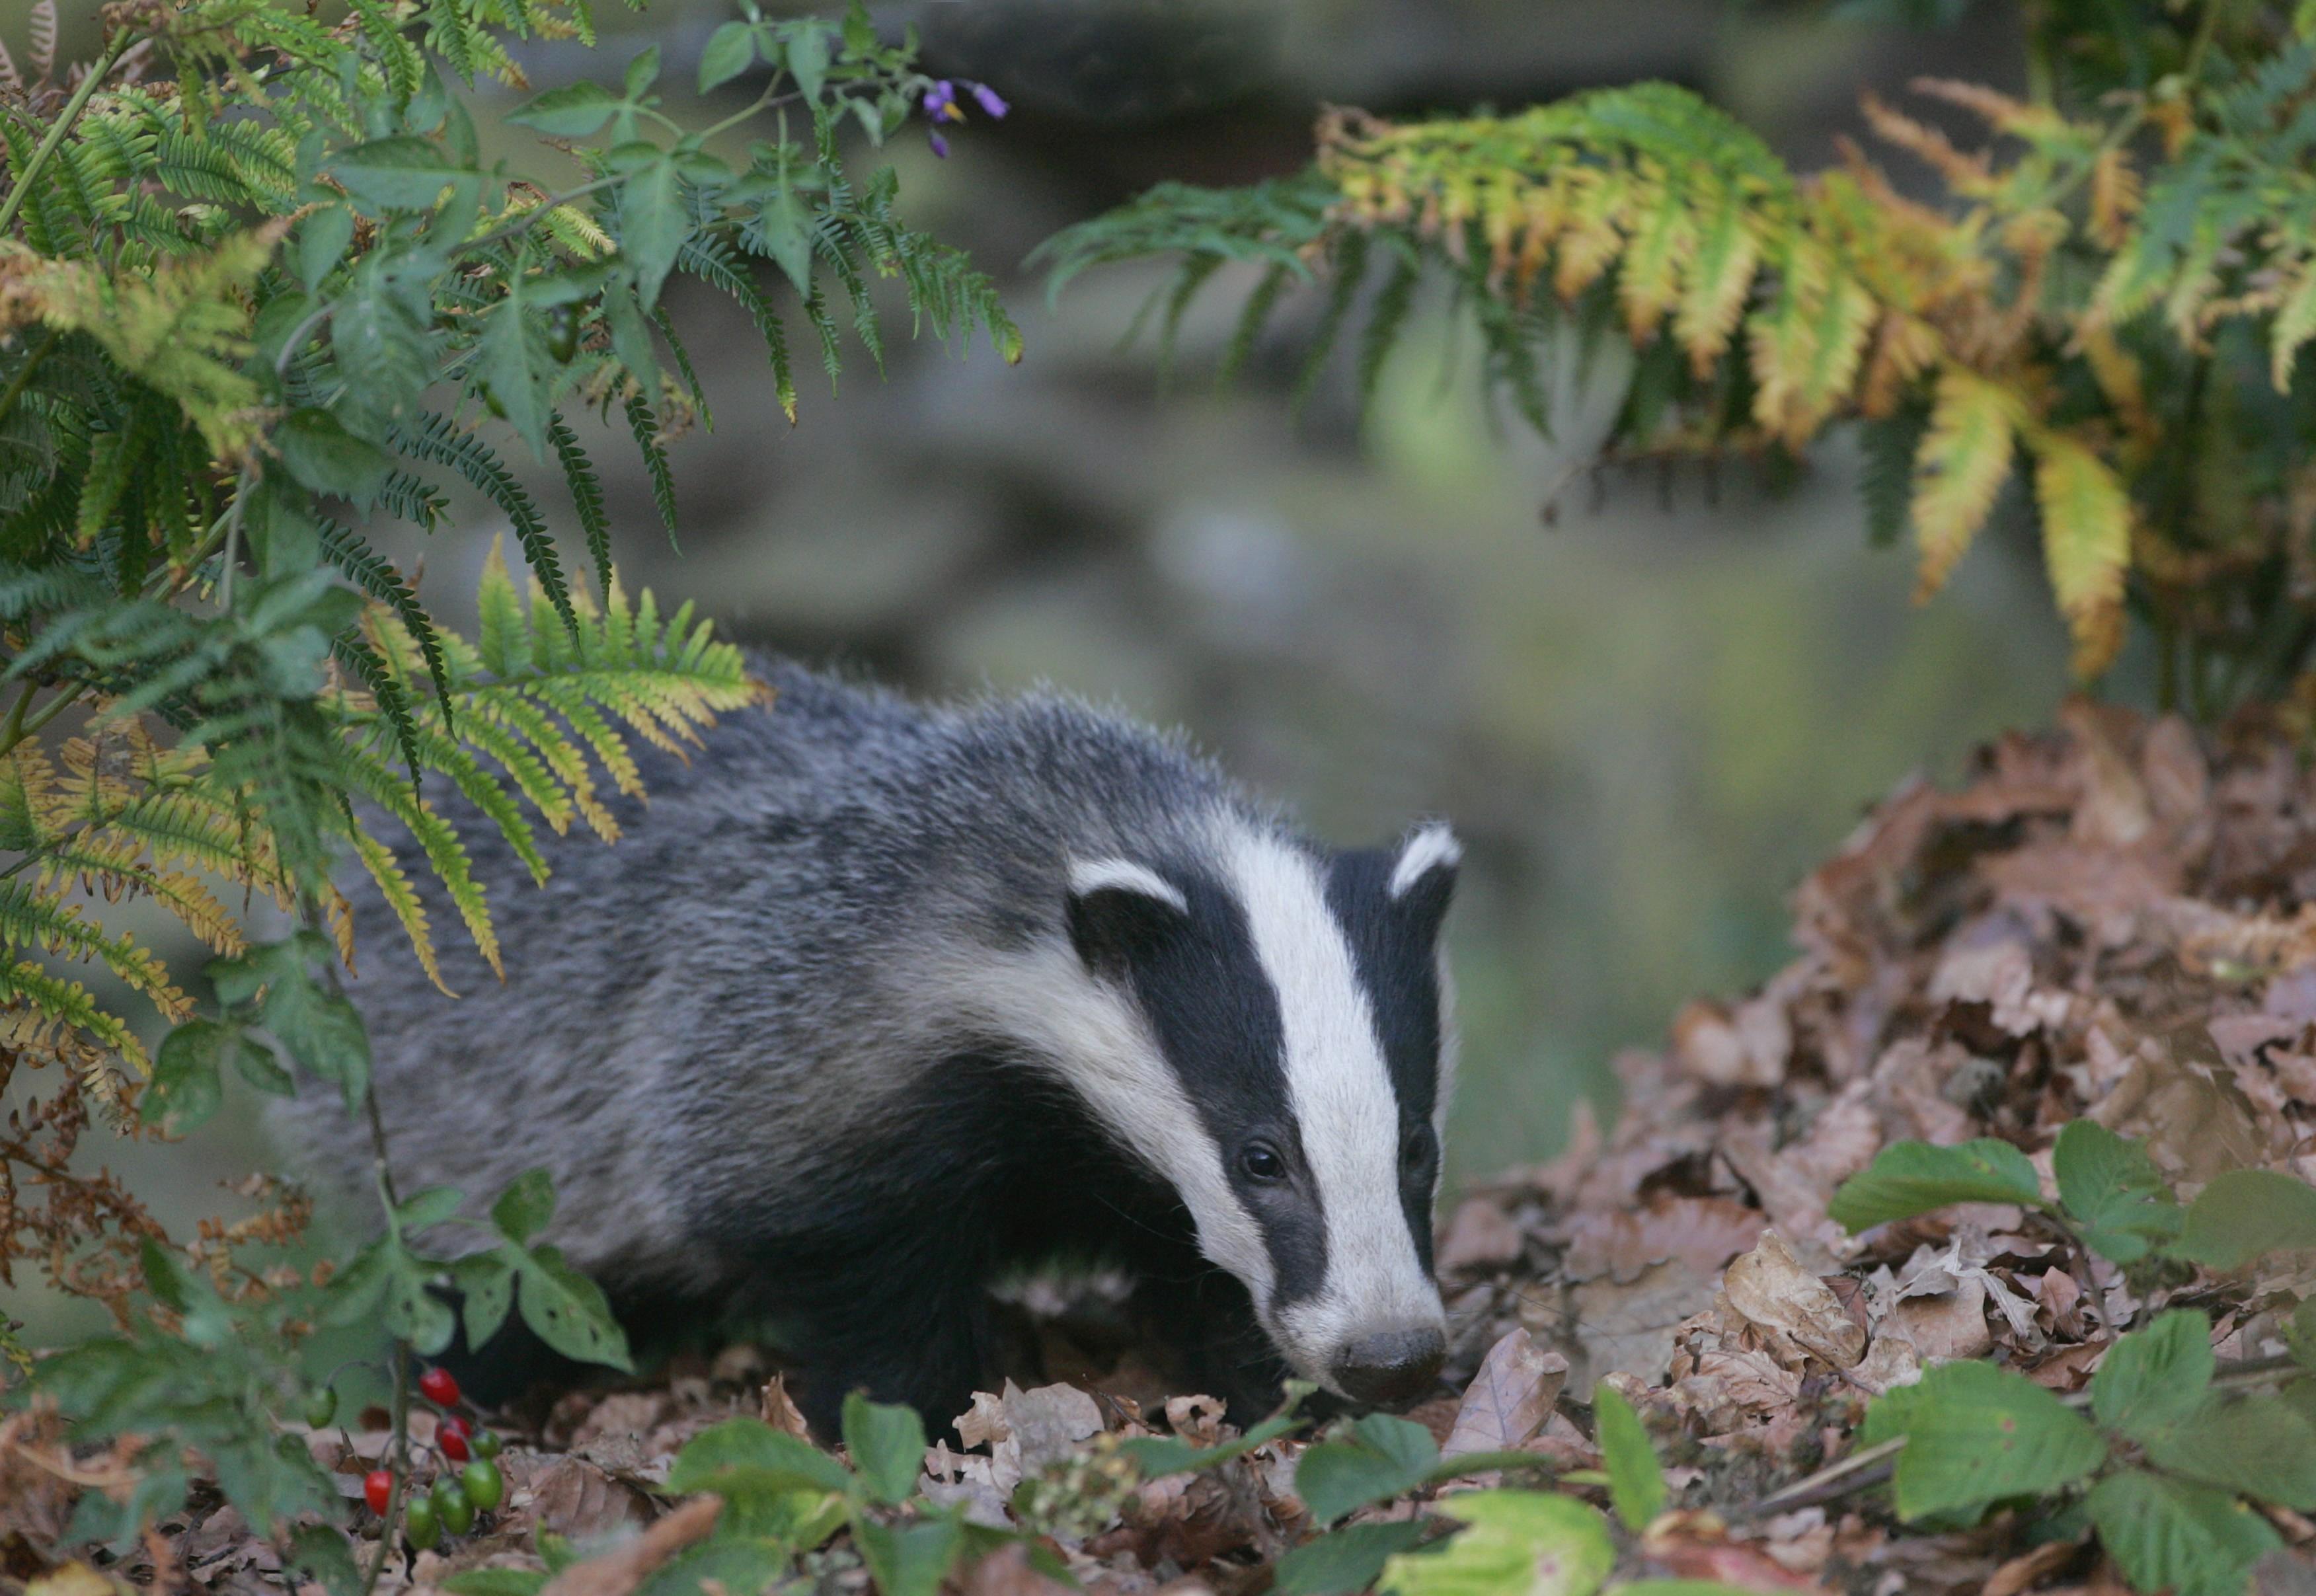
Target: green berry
<point x="484" y="1484"/>
<point x="453" y="1506"/>
<point x="485" y="1443"/>
<point x="419" y="1522"/>
<point x="321" y="1407"/>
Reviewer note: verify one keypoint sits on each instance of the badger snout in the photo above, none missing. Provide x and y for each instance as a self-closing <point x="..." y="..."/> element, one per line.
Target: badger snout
<point x="1390" y="1367"/>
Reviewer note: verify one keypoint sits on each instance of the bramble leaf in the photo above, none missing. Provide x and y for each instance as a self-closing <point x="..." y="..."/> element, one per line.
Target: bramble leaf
<point x="1976" y="1434"/>
<point x="2246" y="1214"/>
<point x="1909" y="1178"/>
<point x="2112" y="1190"/>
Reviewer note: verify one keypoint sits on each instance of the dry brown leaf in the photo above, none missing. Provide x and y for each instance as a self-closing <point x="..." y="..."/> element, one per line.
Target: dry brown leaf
<point x="1048" y="1421"/>
<point x="1630" y="1328"/>
<point x="1771" y="1288"/>
<point x="618" y="1572"/>
<point x="1007" y="1571"/>
<point x="2032" y="1568"/>
<point x="573" y="1498"/>
<point x="777" y="1408"/>
<point x="1481" y="1235"/>
<point x="1704" y="1232"/>
<point x="1510" y="1397"/>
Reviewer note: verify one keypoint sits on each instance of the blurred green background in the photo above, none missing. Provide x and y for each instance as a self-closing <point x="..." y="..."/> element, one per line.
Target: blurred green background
<point x="1648" y="713"/>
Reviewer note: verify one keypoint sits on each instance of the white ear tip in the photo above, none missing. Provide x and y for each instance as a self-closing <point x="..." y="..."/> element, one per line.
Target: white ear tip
<point x="1432" y="847"/>
<point x="1122" y="875"/>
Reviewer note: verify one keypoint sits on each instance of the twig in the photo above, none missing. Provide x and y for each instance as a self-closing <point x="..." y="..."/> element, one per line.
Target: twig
<point x="81" y="97"/>
<point x="1835" y="1479"/>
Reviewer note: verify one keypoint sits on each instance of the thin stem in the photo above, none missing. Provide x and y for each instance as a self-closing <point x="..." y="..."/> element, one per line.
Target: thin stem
<point x="2206" y="26"/>
<point x="12" y="733"/>
<point x="524" y="222"/>
<point x="21" y="725"/>
<point x="81" y="97"/>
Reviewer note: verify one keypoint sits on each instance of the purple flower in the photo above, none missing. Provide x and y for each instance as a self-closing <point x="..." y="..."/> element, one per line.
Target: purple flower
<point x="941" y="145"/>
<point x="991" y="100"/>
<point x="941" y="104"/>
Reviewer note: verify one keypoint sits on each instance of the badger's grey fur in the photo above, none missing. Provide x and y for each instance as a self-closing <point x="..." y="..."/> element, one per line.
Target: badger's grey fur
<point x="874" y="1002"/>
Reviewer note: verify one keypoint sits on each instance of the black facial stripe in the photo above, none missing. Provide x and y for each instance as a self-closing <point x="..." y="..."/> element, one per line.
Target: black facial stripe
<point x="1393" y="944"/>
<point x="1216" y="1014"/>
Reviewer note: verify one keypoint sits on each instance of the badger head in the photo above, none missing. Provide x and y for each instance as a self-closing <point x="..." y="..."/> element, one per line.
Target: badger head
<point x="1287" y="1071"/>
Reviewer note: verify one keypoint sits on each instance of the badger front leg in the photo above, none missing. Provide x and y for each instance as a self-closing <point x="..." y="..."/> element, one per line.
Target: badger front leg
<point x="913" y="1329"/>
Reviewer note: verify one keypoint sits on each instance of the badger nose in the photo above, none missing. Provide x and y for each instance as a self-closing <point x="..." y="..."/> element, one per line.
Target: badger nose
<point x="1392" y="1368"/>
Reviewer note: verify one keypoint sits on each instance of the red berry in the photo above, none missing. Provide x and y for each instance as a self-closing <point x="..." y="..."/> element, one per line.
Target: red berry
<point x="377" y="1490"/>
<point x="439" y="1388"/>
<point x="451" y="1435"/>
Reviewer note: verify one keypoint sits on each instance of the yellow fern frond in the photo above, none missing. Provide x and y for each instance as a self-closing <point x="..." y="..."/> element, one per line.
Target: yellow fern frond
<point x="2295" y="324"/>
<point x="2115" y="198"/>
<point x="394" y="886"/>
<point x="2086" y="542"/>
<point x="32" y="919"/>
<point x="1960" y="467"/>
<point x="1714" y="288"/>
<point x="36" y="1004"/>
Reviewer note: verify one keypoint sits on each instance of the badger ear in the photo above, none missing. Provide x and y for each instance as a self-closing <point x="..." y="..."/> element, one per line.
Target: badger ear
<point x="1423" y="874"/>
<point x="1119" y="910"/>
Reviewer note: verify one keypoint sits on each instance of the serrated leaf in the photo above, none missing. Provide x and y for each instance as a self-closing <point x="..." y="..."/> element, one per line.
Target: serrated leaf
<point x="1976" y="1434"/>
<point x="430" y="1207"/>
<point x="807" y="57"/>
<point x="2154" y="1377"/>
<point x="2168" y="1535"/>
<point x="2244" y="1215"/>
<point x="515" y="364"/>
<point x="1380" y="1456"/>
<point x="1636" y="1485"/>
<point x="1343" y="1561"/>
<point x="1909" y="1178"/>
<point x="1517" y="1543"/>
<point x="321" y="1030"/>
<point x="485" y="1283"/>
<point x="2111" y="1189"/>
<point x="2257" y="1446"/>
<point x="887" y="1443"/>
<point x="396" y="174"/>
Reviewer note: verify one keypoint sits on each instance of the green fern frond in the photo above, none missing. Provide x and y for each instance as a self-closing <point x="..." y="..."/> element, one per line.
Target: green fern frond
<point x="32" y="920"/>
<point x="441" y="440"/>
<point x="645" y="428"/>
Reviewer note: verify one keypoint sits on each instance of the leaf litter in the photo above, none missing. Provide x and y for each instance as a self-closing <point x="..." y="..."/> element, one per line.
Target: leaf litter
<point x="2113" y="921"/>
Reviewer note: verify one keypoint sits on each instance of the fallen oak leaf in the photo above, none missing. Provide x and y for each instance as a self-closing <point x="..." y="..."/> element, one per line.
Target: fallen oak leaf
<point x="1509" y="1399"/>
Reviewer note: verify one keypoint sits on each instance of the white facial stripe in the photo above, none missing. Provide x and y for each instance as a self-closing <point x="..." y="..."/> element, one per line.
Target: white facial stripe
<point x="1429" y="848"/>
<point x="1106" y="1051"/>
<point x="1100" y="874"/>
<point x="1344" y="1105"/>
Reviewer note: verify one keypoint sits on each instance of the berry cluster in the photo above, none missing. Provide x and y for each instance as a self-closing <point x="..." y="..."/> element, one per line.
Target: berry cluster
<point x="477" y="1486"/>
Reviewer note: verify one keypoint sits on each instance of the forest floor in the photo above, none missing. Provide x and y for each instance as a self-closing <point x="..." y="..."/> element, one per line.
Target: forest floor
<point x="2115" y="919"/>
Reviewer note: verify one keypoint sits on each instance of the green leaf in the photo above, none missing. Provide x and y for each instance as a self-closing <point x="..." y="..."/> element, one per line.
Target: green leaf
<point x="572" y="111"/>
<point x="749" y="1455"/>
<point x="654" y="223"/>
<point x="642" y="71"/>
<point x="807" y="57"/>
<point x="326" y="457"/>
<point x="1909" y="1178"/>
<point x="1976" y="1434"/>
<point x="2257" y="1446"/>
<point x="1636" y="1483"/>
<point x="321" y="1030"/>
<point x="390" y="1283"/>
<point x="524" y="1207"/>
<point x="887" y="1443"/>
<point x="2156" y="1375"/>
<point x="515" y="364"/>
<point x="321" y="1550"/>
<point x="430" y="1207"/>
<point x="1343" y="1561"/>
<point x="568" y="1311"/>
<point x="731" y="50"/>
<point x="187" y="1087"/>
<point x="908" y="1559"/>
<point x="1520" y="1543"/>
<point x="485" y="1283"/>
<point x="397" y="174"/>
<point x="2113" y="1191"/>
<point x="2168" y="1535"/>
<point x="2246" y="1214"/>
<point x="1381" y="1457"/>
<point x="322" y="240"/>
<point x="1157" y="1455"/>
<point x="496" y="1582"/>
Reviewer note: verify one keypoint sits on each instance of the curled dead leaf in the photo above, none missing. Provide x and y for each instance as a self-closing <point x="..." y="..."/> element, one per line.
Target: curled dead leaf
<point x="1510" y="1398"/>
<point x="1769" y="1287"/>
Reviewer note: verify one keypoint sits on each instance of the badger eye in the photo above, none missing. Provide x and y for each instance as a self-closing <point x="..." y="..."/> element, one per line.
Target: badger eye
<point x="1261" y="1161"/>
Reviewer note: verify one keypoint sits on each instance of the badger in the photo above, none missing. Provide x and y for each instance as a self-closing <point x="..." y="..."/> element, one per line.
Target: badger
<point x="876" y="1004"/>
